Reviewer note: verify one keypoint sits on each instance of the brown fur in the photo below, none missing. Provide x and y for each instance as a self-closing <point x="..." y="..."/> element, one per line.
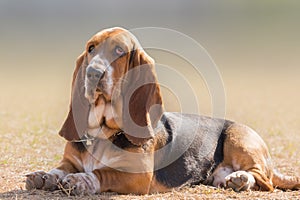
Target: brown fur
<point x="69" y="130"/>
<point x="245" y="150"/>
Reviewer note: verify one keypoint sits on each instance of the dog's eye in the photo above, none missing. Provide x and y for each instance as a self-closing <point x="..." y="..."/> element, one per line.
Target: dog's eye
<point x="91" y="48"/>
<point x="119" y="51"/>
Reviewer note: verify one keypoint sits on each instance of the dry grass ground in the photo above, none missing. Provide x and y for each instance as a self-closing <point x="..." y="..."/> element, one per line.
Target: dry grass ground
<point x="31" y="116"/>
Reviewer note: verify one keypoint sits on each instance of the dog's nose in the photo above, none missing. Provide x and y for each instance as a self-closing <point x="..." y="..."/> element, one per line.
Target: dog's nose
<point x="94" y="75"/>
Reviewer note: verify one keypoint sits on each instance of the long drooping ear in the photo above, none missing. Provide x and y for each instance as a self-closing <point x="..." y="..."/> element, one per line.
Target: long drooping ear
<point x="142" y="101"/>
<point x="77" y="120"/>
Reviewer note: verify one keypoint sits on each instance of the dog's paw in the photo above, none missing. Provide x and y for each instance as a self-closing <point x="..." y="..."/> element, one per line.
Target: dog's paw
<point x="80" y="184"/>
<point x="41" y="180"/>
<point x="240" y="181"/>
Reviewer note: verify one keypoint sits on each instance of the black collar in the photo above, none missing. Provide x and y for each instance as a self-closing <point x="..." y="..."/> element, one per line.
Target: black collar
<point x="87" y="140"/>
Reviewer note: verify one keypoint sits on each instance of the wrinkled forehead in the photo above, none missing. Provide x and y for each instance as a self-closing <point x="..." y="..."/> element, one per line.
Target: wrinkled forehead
<point x="113" y="36"/>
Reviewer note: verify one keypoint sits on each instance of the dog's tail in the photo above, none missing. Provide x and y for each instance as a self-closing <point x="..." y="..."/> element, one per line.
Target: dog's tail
<point x="285" y="182"/>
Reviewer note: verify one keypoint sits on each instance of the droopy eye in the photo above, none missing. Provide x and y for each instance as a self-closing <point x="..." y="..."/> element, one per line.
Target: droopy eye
<point x="91" y="48"/>
<point x="119" y="51"/>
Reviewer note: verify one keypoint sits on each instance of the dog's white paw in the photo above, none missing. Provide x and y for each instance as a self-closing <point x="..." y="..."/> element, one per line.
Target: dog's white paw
<point x="240" y="181"/>
<point x="80" y="184"/>
<point x="41" y="180"/>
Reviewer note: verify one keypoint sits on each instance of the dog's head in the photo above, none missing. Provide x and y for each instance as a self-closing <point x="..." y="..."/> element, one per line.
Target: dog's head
<point x="116" y="72"/>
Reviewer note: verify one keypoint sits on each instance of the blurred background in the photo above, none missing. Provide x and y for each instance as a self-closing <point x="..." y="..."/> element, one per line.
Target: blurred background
<point x="255" y="45"/>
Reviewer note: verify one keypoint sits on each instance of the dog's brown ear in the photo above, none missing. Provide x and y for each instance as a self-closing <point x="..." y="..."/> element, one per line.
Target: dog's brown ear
<point x="142" y="101"/>
<point x="77" y="120"/>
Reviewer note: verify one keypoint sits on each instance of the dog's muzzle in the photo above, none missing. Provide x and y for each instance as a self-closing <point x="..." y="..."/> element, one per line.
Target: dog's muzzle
<point x="94" y="75"/>
<point x="92" y="79"/>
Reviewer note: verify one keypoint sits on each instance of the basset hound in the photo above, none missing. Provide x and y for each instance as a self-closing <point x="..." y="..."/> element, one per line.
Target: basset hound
<point x="120" y="139"/>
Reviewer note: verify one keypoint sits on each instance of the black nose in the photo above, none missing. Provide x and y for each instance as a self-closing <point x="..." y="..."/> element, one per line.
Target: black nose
<point x="94" y="75"/>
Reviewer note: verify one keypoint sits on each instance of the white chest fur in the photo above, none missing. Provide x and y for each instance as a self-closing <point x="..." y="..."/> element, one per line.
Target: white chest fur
<point x="103" y="153"/>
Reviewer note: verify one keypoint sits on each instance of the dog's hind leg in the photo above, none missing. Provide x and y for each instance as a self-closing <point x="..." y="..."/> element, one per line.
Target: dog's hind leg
<point x="247" y="154"/>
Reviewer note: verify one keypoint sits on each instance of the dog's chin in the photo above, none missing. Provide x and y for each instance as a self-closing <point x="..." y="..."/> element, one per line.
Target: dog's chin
<point x="107" y="94"/>
<point x="92" y="94"/>
<point x="91" y="97"/>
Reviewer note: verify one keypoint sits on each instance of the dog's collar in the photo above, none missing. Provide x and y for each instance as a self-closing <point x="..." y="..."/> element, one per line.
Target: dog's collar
<point x="88" y="140"/>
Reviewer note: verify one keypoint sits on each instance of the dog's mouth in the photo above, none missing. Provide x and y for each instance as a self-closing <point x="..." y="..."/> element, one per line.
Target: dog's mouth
<point x="93" y="91"/>
<point x="90" y="92"/>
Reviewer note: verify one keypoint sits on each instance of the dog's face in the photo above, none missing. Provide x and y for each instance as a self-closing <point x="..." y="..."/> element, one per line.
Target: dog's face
<point x="115" y="72"/>
<point x="108" y="56"/>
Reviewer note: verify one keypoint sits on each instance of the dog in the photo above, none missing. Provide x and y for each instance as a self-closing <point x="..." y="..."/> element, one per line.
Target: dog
<point x="120" y="139"/>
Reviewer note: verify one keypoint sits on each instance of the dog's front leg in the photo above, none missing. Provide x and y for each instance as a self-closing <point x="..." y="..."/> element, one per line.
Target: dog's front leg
<point x="50" y="180"/>
<point x="107" y="179"/>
